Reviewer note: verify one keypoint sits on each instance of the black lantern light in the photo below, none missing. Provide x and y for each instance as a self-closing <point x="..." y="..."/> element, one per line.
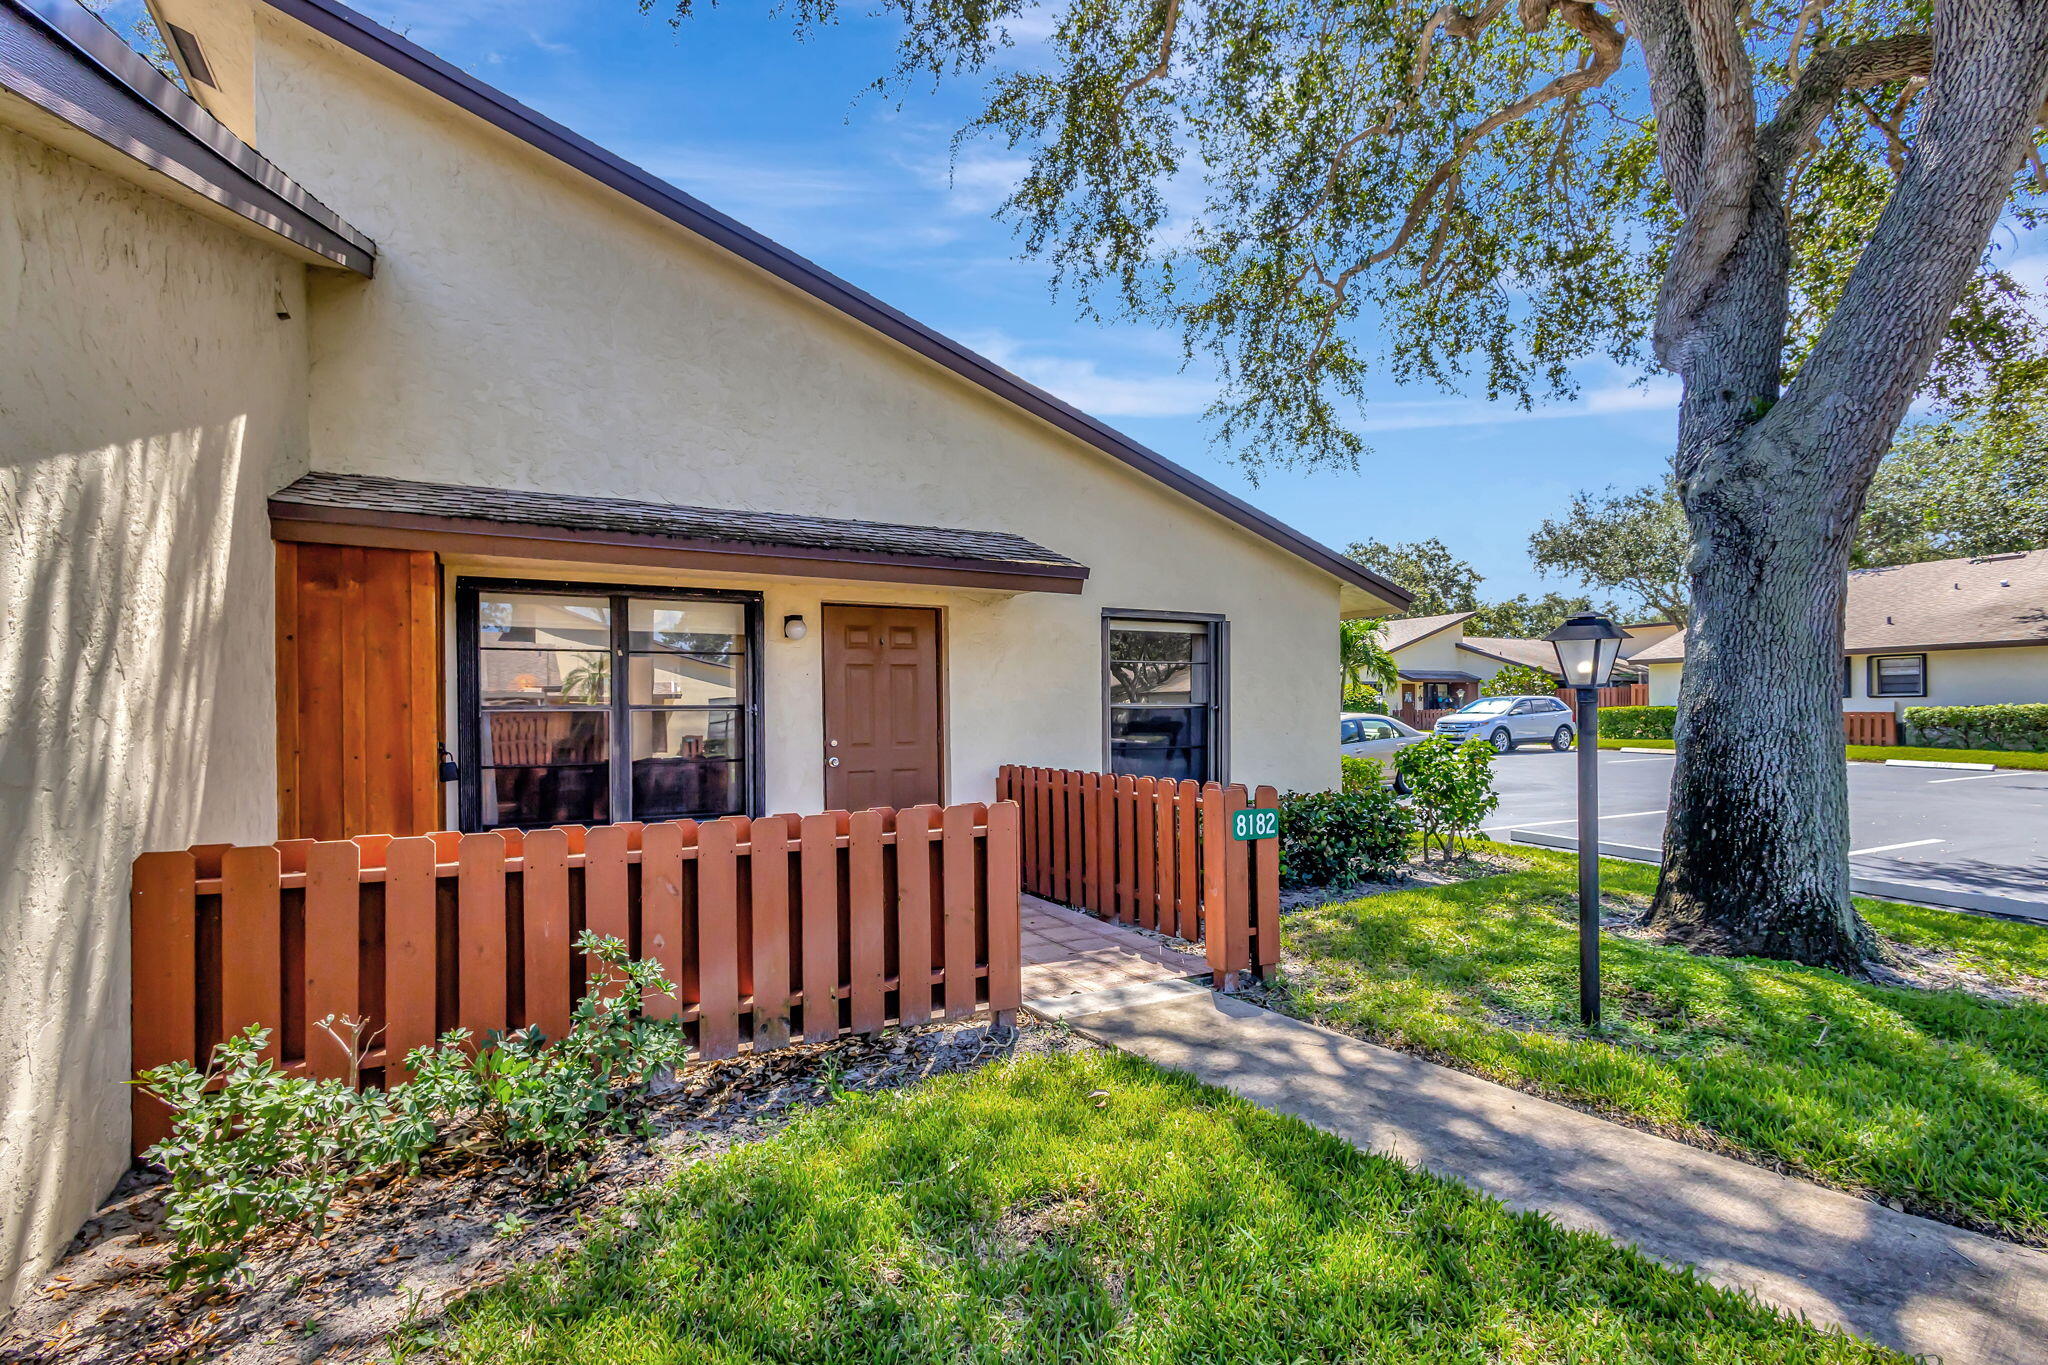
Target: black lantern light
<point x="1587" y="646"/>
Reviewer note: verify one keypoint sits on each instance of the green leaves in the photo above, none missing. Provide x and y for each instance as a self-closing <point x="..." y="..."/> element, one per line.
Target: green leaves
<point x="253" y="1149"/>
<point x="1450" y="789"/>
<point x="1338" y="838"/>
<point x="2017" y="727"/>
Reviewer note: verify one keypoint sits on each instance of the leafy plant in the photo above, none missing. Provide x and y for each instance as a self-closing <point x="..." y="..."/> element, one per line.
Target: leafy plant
<point x="1362" y="773"/>
<point x="1518" y="680"/>
<point x="529" y="1096"/>
<point x="1637" y="722"/>
<point x="2023" y="728"/>
<point x="1336" y="838"/>
<point x="253" y="1149"/>
<point x="1450" y="789"/>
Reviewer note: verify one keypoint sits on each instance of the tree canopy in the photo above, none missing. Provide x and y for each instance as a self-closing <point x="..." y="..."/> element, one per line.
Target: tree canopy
<point x="1312" y="194"/>
<point x="1444" y="583"/>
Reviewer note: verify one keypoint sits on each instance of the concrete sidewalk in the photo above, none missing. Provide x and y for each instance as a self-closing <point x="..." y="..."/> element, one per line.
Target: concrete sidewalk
<point x="1905" y="1282"/>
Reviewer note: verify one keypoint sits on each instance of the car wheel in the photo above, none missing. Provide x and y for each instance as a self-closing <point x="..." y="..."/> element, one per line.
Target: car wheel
<point x="1400" y="785"/>
<point x="1503" y="742"/>
<point x="1562" y="740"/>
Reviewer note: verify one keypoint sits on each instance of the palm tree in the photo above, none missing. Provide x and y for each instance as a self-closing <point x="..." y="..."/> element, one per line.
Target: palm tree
<point x="1363" y="659"/>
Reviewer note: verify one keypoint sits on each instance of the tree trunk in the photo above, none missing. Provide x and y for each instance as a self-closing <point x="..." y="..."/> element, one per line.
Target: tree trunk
<point x="1773" y="479"/>
<point x="1756" y="846"/>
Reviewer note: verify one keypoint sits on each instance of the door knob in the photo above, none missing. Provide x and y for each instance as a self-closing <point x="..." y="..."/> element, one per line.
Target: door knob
<point x="832" y="762"/>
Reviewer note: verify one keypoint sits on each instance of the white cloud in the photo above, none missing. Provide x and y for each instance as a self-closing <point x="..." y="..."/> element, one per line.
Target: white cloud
<point x="1081" y="380"/>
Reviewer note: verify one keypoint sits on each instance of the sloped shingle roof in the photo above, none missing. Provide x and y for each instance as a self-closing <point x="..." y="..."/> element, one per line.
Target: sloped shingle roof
<point x="1406" y="631"/>
<point x="1946" y="604"/>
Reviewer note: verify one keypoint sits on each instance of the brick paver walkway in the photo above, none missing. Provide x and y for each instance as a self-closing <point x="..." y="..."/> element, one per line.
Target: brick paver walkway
<point x="1066" y="952"/>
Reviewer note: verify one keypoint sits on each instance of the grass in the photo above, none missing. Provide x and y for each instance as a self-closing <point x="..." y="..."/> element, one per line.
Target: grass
<point x="1878" y="753"/>
<point x="1937" y="1100"/>
<point x="1006" y="1216"/>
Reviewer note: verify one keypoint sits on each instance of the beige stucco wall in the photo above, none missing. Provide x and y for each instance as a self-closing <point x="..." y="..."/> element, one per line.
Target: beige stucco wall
<point x="1955" y="677"/>
<point x="530" y="329"/>
<point x="149" y="397"/>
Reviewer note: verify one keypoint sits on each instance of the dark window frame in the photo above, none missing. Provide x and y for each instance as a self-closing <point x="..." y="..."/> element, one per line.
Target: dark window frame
<point x="469" y="700"/>
<point x="1870" y="677"/>
<point x="1219" y="682"/>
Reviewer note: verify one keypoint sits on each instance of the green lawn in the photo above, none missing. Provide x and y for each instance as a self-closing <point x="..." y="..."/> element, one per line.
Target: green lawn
<point x="1878" y="753"/>
<point x="1936" y="1099"/>
<point x="1003" y="1216"/>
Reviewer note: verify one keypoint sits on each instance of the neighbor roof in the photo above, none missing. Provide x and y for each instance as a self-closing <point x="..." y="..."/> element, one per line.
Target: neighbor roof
<point x="1400" y="634"/>
<point x="1437" y="675"/>
<point x="69" y="80"/>
<point x="1537" y="654"/>
<point x="424" y="69"/>
<point x="1946" y="604"/>
<point x="818" y="545"/>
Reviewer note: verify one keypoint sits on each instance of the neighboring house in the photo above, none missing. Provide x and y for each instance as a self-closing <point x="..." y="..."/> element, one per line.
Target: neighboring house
<point x="1442" y="668"/>
<point x="357" y="414"/>
<point x="1955" y="632"/>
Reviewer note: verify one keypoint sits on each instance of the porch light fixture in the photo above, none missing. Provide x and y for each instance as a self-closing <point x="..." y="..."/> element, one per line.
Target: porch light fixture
<point x="1587" y="646"/>
<point x="793" y="627"/>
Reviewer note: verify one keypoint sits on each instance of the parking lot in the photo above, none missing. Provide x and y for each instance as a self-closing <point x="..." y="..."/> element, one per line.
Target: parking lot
<point x="1952" y="837"/>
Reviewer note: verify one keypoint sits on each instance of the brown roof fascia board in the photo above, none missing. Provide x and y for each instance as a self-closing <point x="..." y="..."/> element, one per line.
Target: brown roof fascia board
<point x="501" y="111"/>
<point x="461" y="535"/>
<point x="61" y="58"/>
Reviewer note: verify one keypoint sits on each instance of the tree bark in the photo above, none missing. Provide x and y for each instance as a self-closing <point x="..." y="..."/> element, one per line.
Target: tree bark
<point x="1756" y="844"/>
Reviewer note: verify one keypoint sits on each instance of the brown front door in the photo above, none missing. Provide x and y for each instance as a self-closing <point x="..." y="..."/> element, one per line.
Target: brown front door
<point x="881" y="706"/>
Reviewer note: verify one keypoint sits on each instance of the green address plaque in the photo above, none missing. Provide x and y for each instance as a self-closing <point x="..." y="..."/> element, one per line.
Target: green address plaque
<point x="1255" y="822"/>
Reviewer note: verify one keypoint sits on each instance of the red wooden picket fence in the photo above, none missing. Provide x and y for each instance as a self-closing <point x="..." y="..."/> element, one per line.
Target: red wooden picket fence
<point x="1155" y="853"/>
<point x="898" y="914"/>
<point x="1424" y="718"/>
<point x="1870" y="727"/>
<point x="1616" y="694"/>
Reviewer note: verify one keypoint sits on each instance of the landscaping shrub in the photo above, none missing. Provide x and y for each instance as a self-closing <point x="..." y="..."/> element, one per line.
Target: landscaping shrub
<point x="1637" y="722"/>
<point x="1361" y="772"/>
<point x="1518" y="680"/>
<point x="2022" y="729"/>
<point x="1336" y="838"/>
<point x="1450" y="789"/>
<point x="253" y="1149"/>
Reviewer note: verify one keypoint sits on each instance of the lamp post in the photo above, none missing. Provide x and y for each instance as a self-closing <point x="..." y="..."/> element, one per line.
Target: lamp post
<point x="1587" y="646"/>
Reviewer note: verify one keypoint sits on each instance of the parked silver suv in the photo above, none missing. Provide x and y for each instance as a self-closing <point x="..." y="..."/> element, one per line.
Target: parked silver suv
<point x="1505" y="722"/>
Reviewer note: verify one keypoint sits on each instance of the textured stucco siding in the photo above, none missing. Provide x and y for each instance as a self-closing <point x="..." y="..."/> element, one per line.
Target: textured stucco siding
<point x="530" y="329"/>
<point x="1955" y="677"/>
<point x="1440" y="653"/>
<point x="149" y="397"/>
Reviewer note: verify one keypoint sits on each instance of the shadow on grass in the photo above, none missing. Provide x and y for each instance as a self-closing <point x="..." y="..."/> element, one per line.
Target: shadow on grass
<point x="1935" y="1099"/>
<point x="1008" y="1217"/>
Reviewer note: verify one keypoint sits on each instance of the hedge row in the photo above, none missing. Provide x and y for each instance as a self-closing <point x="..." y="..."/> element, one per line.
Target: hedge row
<point x="1637" y="722"/>
<point x="2022" y="729"/>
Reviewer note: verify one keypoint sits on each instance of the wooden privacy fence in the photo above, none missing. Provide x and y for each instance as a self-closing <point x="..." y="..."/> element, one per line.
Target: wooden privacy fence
<point x="1155" y="853"/>
<point x="1615" y="694"/>
<point x="769" y="928"/>
<point x="1870" y="727"/>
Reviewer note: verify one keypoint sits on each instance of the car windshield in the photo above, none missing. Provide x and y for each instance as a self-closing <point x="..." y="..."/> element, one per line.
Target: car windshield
<point x="1486" y="706"/>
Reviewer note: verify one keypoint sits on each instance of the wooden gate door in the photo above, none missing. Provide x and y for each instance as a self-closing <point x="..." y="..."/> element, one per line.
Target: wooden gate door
<point x="881" y="707"/>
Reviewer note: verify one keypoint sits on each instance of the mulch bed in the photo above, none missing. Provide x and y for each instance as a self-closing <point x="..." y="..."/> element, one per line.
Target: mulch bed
<point x="398" y="1252"/>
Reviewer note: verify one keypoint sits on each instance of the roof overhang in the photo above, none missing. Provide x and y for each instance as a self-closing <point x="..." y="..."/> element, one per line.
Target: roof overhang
<point x="69" y="80"/>
<point x="293" y="519"/>
<point x="1437" y="675"/>
<point x="1369" y="593"/>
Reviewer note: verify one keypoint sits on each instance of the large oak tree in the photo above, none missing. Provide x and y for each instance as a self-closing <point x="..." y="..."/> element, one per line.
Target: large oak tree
<point x="1785" y="203"/>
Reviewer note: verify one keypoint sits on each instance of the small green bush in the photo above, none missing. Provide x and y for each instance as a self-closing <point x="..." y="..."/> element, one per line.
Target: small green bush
<point x="253" y="1150"/>
<point x="2020" y="729"/>
<point x="1361" y="772"/>
<point x="1450" y="788"/>
<point x="1518" y="680"/>
<point x="1637" y="722"/>
<point x="1336" y="838"/>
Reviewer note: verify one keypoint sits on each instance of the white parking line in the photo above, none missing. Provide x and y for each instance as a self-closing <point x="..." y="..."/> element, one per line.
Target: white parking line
<point x="1973" y="777"/>
<point x="1572" y="820"/>
<point x="1886" y="848"/>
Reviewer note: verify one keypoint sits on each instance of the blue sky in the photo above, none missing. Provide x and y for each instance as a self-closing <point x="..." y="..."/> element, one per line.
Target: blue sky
<point x="779" y="134"/>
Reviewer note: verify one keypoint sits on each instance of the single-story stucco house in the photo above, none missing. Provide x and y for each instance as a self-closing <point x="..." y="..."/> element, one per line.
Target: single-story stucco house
<point x="1442" y="668"/>
<point x="1952" y="632"/>
<point x="384" y="457"/>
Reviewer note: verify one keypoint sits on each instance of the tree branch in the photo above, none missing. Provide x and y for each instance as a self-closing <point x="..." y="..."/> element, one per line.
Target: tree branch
<point x="1826" y="78"/>
<point x="1169" y="26"/>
